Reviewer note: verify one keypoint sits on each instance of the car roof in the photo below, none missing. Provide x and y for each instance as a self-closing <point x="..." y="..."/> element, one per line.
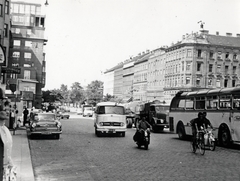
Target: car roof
<point x="109" y="104"/>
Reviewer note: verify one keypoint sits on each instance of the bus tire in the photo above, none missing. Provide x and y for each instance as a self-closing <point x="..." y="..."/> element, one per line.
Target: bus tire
<point x="224" y="136"/>
<point x="181" y="131"/>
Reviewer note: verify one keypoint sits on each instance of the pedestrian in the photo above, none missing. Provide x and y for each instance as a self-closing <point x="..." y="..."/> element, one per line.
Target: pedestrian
<point x="9" y="170"/>
<point x="25" y="116"/>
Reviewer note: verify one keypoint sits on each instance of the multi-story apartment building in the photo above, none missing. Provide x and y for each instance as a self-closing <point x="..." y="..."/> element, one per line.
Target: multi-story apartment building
<point x="155" y="75"/>
<point x="108" y="82"/>
<point x="27" y="53"/>
<point x="202" y="61"/>
<point x="118" y="81"/>
<point x="5" y="36"/>
<point x="140" y="78"/>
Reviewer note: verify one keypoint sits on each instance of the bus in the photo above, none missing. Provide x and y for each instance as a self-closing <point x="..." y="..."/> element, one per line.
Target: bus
<point x="221" y="105"/>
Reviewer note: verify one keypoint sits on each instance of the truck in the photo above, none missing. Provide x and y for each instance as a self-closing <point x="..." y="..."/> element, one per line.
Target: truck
<point x="156" y="114"/>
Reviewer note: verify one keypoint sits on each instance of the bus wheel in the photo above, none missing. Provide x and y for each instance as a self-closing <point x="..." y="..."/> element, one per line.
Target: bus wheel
<point x="181" y="132"/>
<point x="225" y="137"/>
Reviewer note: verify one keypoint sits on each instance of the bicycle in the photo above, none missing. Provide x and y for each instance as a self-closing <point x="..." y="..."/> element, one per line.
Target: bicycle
<point x="198" y="143"/>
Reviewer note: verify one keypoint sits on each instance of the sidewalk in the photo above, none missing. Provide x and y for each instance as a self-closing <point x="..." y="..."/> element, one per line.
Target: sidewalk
<point x="21" y="155"/>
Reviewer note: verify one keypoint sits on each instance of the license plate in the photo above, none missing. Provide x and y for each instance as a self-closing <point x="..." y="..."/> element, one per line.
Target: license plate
<point x="112" y="131"/>
<point x="46" y="133"/>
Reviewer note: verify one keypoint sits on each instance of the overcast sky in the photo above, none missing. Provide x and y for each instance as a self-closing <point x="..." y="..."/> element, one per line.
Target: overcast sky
<point x="86" y="37"/>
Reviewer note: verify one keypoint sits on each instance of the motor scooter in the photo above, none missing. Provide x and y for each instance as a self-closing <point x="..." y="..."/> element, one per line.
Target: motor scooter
<point x="209" y="139"/>
<point x="144" y="138"/>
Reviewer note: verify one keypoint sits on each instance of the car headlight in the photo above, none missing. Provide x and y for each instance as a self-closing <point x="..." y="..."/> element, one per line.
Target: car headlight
<point x="122" y="124"/>
<point x="101" y="123"/>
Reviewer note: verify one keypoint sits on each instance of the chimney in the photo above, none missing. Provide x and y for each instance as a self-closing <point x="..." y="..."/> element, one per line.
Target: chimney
<point x="238" y="35"/>
<point x="228" y="34"/>
<point x="217" y="33"/>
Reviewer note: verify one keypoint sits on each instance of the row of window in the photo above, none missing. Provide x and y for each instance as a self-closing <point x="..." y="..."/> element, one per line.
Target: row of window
<point x="25" y="9"/>
<point x="207" y="103"/>
<point x="27" y="55"/>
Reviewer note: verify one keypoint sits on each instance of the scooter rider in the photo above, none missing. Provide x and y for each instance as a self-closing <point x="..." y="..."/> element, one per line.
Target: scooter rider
<point x="143" y="125"/>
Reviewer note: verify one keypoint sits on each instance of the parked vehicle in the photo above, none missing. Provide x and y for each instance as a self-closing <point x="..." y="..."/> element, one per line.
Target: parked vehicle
<point x="142" y="138"/>
<point x="109" y="118"/>
<point x="62" y="115"/>
<point x="156" y="113"/>
<point x="87" y="110"/>
<point x="45" y="124"/>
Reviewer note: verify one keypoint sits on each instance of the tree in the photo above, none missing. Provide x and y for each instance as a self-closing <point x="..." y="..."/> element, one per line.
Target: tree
<point x="94" y="92"/>
<point x="77" y="93"/>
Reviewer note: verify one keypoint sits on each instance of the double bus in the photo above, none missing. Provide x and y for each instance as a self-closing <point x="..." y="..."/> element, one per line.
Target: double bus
<point x="221" y="105"/>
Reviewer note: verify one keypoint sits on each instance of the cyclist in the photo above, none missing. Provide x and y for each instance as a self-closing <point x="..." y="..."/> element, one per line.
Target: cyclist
<point x="199" y="123"/>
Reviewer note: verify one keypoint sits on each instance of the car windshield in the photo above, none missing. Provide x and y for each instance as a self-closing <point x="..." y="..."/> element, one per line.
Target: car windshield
<point x="161" y="108"/>
<point x="111" y="110"/>
<point x="45" y="117"/>
<point x="88" y="108"/>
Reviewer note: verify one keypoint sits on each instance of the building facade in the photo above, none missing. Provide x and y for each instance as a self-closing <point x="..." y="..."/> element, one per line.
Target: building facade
<point x="199" y="61"/>
<point x="5" y="39"/>
<point x="202" y="61"/>
<point x="27" y="53"/>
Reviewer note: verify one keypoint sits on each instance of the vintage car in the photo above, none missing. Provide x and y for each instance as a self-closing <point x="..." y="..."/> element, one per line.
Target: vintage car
<point x="45" y="124"/>
<point x="62" y="115"/>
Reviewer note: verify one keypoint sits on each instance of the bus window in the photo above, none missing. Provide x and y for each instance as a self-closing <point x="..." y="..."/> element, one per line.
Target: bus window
<point x="200" y="102"/>
<point x="189" y="103"/>
<point x="225" y="102"/>
<point x="177" y="104"/>
<point x="212" y="102"/>
<point x="236" y="102"/>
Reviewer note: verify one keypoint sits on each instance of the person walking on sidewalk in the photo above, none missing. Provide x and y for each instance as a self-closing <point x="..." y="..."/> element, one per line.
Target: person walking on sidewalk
<point x="9" y="170"/>
<point x="25" y="116"/>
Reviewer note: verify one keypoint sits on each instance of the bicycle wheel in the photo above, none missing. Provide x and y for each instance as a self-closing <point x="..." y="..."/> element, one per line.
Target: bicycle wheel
<point x="193" y="146"/>
<point x="201" y="147"/>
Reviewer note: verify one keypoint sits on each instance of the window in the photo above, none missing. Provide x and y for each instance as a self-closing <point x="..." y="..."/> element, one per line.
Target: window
<point x="227" y="55"/>
<point x="189" y="103"/>
<point x="27" y="9"/>
<point x="225" y="101"/>
<point x="16" y="54"/>
<point x="198" y="66"/>
<point x="210" y="81"/>
<point x="1" y="10"/>
<point x="234" y="69"/>
<point x="17" y="30"/>
<point x="218" y="84"/>
<point x="211" y="55"/>
<point x="199" y="53"/>
<point x="33" y="9"/>
<point x="234" y="56"/>
<point x="225" y="82"/>
<point x="27" y="74"/>
<point x="233" y="83"/>
<point x="28" y="44"/>
<point x="187" y="80"/>
<point x="200" y="102"/>
<point x="182" y="66"/>
<point x="198" y="81"/>
<point x="6" y="7"/>
<point x="21" y="8"/>
<point x="29" y="31"/>
<point x="188" y="65"/>
<point x="212" y="102"/>
<point x="210" y="67"/>
<point x="5" y="30"/>
<point x="16" y="42"/>
<point x="218" y="68"/>
<point x="189" y="53"/>
<point x="219" y="56"/>
<point x="226" y="69"/>
<point x="37" y="21"/>
<point x="27" y="56"/>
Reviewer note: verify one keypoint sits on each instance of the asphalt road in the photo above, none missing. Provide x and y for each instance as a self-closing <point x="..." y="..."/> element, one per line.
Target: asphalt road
<point x="81" y="156"/>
